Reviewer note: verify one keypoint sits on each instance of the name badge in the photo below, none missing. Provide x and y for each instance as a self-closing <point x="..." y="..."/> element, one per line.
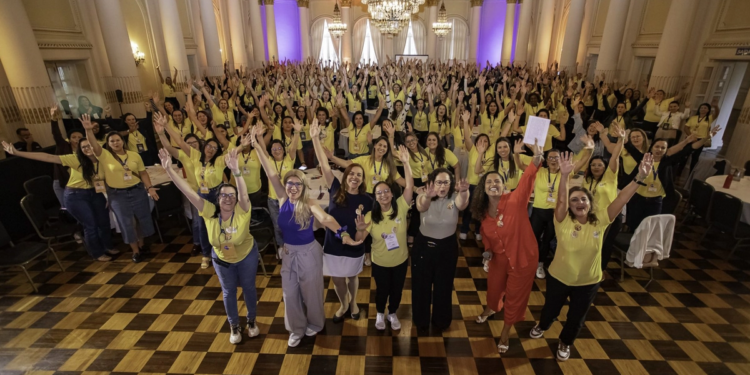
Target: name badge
<point x="391" y="241"/>
<point x="245" y="170"/>
<point x="140" y="147"/>
<point x="652" y="188"/>
<point x="127" y="175"/>
<point x="99" y="186"/>
<point x="356" y="147"/>
<point x="204" y="188"/>
<point x="228" y="250"/>
<point x="226" y="124"/>
<point x="302" y="136"/>
<point x="596" y="234"/>
<point x="550" y="198"/>
<point x="375" y="180"/>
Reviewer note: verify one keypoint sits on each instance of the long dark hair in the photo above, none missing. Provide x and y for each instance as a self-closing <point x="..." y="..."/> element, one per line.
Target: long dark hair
<point x="439" y="150"/>
<point x="283" y="135"/>
<point x="340" y="196"/>
<point x="394" y="115"/>
<point x="387" y="158"/>
<point x="87" y="166"/>
<point x="591" y="216"/>
<point x="276" y="116"/>
<point x="217" y="154"/>
<point x="708" y="115"/>
<point x="511" y="161"/>
<point x="479" y="199"/>
<point x="590" y="175"/>
<point x="377" y="212"/>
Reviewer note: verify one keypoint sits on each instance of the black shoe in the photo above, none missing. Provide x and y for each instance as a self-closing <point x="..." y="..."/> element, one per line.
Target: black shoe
<point x="338" y="319"/>
<point x="196" y="250"/>
<point x="137" y="257"/>
<point x="356" y="316"/>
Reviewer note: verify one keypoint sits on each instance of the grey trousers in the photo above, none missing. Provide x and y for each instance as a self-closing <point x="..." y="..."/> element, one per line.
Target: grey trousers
<point x="302" y="284"/>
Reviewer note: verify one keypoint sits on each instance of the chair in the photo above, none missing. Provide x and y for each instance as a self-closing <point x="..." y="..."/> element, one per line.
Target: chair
<point x="651" y="242"/>
<point x="747" y="166"/>
<point x="23" y="254"/>
<point x="261" y="227"/>
<point x="46" y="230"/>
<point x="670" y="203"/>
<point x="169" y="204"/>
<point x="699" y="200"/>
<point x="42" y="187"/>
<point x="724" y="215"/>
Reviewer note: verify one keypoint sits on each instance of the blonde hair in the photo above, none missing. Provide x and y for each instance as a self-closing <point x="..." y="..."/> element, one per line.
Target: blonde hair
<point x="302" y="211"/>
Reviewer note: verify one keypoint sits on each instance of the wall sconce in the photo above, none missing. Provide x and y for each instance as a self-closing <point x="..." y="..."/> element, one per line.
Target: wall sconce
<point x="138" y="56"/>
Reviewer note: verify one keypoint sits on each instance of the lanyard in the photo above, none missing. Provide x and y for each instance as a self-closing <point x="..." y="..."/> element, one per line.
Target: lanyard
<point x="655" y="170"/>
<point x="378" y="171"/>
<point x="356" y="133"/>
<point x="593" y="185"/>
<point x="278" y="169"/>
<point x="429" y="157"/>
<point x="618" y="119"/>
<point x="222" y="230"/>
<point x="502" y="169"/>
<point x="551" y="183"/>
<point x="124" y="164"/>
<point x="247" y="157"/>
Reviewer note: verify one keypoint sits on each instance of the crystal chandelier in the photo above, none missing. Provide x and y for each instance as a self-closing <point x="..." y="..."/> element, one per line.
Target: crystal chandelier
<point x="390" y="27"/>
<point x="442" y="27"/>
<point x="337" y="28"/>
<point x="390" y="16"/>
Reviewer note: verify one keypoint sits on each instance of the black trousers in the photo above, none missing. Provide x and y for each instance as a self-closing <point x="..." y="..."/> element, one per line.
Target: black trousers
<point x="694" y="157"/>
<point x="389" y="285"/>
<point x="641" y="207"/>
<point x="609" y="240"/>
<point x="581" y="298"/>
<point x="543" y="225"/>
<point x="433" y="267"/>
<point x="466" y="218"/>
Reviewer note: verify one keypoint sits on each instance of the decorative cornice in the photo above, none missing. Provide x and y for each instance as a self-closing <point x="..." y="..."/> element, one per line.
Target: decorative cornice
<point x="268" y="2"/>
<point x="346" y="3"/>
<point x="726" y="44"/>
<point x="303" y="3"/>
<point x="645" y="45"/>
<point x="431" y="3"/>
<point x="64" y="45"/>
<point x="476" y="3"/>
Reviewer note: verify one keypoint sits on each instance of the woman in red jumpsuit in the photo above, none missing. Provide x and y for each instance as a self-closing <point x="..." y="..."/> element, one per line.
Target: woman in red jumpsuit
<point x="508" y="238"/>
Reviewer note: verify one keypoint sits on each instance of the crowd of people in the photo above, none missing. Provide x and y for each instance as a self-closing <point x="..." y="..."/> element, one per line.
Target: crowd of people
<point x="426" y="144"/>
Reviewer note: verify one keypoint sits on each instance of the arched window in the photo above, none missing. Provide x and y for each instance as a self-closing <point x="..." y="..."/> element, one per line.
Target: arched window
<point x="366" y="42"/>
<point x="455" y="45"/>
<point x="327" y="50"/>
<point x="410" y="47"/>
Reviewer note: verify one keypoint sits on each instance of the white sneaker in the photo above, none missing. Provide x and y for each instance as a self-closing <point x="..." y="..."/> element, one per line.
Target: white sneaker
<point x="380" y="322"/>
<point x="540" y="274"/>
<point x="536" y="332"/>
<point x="563" y="352"/>
<point x="236" y="335"/>
<point x="478" y="237"/>
<point x="310" y="333"/>
<point x="395" y="323"/>
<point x="462" y="236"/>
<point x="293" y="340"/>
<point x="252" y="329"/>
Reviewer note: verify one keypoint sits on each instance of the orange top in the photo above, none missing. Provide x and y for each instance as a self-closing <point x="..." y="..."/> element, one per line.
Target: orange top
<point x="515" y="237"/>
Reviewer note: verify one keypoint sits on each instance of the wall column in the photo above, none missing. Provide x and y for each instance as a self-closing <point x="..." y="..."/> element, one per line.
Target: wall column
<point x="510" y="19"/>
<point x="524" y="29"/>
<point x="28" y="78"/>
<point x="346" y="49"/>
<point x="431" y="37"/>
<point x="273" y="47"/>
<point x="239" y="52"/>
<point x="124" y="72"/>
<point x="614" y="29"/>
<point x="256" y="26"/>
<point x="476" y="17"/>
<point x="668" y="62"/>
<point x="195" y="8"/>
<point x="303" y="6"/>
<point x="572" y="36"/>
<point x="174" y="40"/>
<point x="211" y="39"/>
<point x="586" y="27"/>
<point x="544" y="33"/>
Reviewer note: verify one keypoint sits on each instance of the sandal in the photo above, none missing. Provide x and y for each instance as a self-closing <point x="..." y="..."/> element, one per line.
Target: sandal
<point x="503" y="347"/>
<point x="483" y="318"/>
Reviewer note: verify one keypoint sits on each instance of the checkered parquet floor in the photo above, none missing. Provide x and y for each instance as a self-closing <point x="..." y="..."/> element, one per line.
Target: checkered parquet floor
<point x="165" y="316"/>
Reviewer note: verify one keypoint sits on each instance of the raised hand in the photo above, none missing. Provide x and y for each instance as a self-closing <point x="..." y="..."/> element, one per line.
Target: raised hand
<point x="429" y="190"/>
<point x="166" y="159"/>
<point x="159" y="123"/>
<point x="388" y="127"/>
<point x="481" y="147"/>
<point x="314" y="129"/>
<point x="617" y="131"/>
<point x="230" y="159"/>
<point x="246" y="139"/>
<point x="588" y="142"/>
<point x="566" y="163"/>
<point x="466" y="116"/>
<point x="54" y="112"/>
<point x="518" y="147"/>
<point x="462" y="186"/>
<point x="9" y="148"/>
<point x="536" y="148"/>
<point x="86" y="121"/>
<point x="403" y="154"/>
<point x="298" y="125"/>
<point x="715" y="130"/>
<point x="646" y="164"/>
<point x="359" y="221"/>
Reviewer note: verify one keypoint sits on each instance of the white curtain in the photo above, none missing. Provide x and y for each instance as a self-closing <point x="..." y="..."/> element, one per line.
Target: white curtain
<point x="327" y="50"/>
<point x="358" y="39"/>
<point x="377" y="42"/>
<point x="455" y="45"/>
<point x="419" y="34"/>
<point x="316" y="34"/>
<point x="399" y="41"/>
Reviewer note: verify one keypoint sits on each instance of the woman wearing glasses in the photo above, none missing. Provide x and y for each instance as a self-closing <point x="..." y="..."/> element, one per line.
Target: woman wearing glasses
<point x="283" y="162"/>
<point x="387" y="223"/>
<point x="302" y="270"/>
<point x="435" y="253"/>
<point x="234" y="250"/>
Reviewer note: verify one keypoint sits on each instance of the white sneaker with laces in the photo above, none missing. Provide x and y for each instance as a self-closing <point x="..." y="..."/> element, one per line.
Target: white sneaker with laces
<point x="563" y="352"/>
<point x="310" y="333"/>
<point x="536" y="333"/>
<point x="380" y="321"/>
<point x="252" y="329"/>
<point x="462" y="236"/>
<point x="540" y="274"/>
<point x="235" y="336"/>
<point x="293" y="340"/>
<point x="395" y="323"/>
<point x="478" y="237"/>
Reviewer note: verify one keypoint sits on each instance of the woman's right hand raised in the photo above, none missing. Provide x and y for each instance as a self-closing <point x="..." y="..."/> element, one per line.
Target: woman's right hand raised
<point x="166" y="159"/>
<point x="86" y="122"/>
<point x="360" y="222"/>
<point x="9" y="148"/>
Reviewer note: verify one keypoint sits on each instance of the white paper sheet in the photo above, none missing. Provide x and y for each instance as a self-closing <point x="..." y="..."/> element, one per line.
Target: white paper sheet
<point x="536" y="128"/>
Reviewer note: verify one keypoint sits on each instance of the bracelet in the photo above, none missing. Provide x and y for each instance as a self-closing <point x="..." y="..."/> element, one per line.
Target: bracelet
<point x="148" y="188"/>
<point x="341" y="232"/>
<point x="640" y="182"/>
<point x="236" y="174"/>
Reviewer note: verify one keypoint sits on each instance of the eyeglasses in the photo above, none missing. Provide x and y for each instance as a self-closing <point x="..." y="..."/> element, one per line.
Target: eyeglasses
<point x="553" y="158"/>
<point x="443" y="183"/>
<point x="191" y="143"/>
<point x="210" y="147"/>
<point x="382" y="192"/>
<point x="226" y="195"/>
<point x="296" y="185"/>
<point x="85" y="147"/>
<point x="277" y="149"/>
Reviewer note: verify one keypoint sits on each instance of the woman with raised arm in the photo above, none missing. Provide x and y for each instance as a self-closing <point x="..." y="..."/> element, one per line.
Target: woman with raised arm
<point x="378" y="165"/>
<point x="302" y="269"/>
<point x="80" y="196"/>
<point x="576" y="270"/>
<point x="435" y="250"/>
<point x="390" y="256"/>
<point x="480" y="162"/>
<point x="491" y="114"/>
<point x="509" y="242"/>
<point x="283" y="162"/>
<point x="221" y="112"/>
<point x="233" y="248"/>
<point x="201" y="120"/>
<point x="700" y="124"/>
<point x="125" y="177"/>
<point x="440" y="157"/>
<point x="504" y="162"/>
<point x="347" y="199"/>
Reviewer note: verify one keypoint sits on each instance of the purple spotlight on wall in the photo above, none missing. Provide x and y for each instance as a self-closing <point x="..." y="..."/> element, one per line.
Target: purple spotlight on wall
<point x="515" y="32"/>
<point x="287" y="29"/>
<point x="490" y="44"/>
<point x="265" y="33"/>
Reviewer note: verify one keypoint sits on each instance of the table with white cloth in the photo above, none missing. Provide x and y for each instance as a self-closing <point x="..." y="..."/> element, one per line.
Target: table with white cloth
<point x="739" y="189"/>
<point x="317" y="189"/>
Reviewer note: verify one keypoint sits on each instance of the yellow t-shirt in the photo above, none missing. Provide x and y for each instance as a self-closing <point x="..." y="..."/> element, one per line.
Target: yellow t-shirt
<point x="530" y="110"/>
<point x="605" y="191"/>
<point x="76" y="179"/>
<point x="135" y="139"/>
<point x="222" y="118"/>
<point x="488" y="156"/>
<point x="419" y="121"/>
<point x="418" y="164"/>
<point x="237" y="227"/>
<point x="545" y="188"/>
<point x="354" y="104"/>
<point x="207" y="175"/>
<point x="380" y="253"/>
<point x="450" y="161"/>
<point x="458" y="138"/>
<point x="492" y="127"/>
<point x="651" y="114"/>
<point x="250" y="168"/>
<point x="327" y="137"/>
<point x="578" y="260"/>
<point x="699" y="128"/>
<point x="628" y="162"/>
<point x="167" y="90"/>
<point x="114" y="169"/>
<point x="443" y="128"/>
<point x="376" y="170"/>
<point x="358" y="139"/>
<point x="184" y="129"/>
<point x="304" y="135"/>
<point x="189" y="167"/>
<point x="653" y="187"/>
<point x="282" y="167"/>
<point x="503" y="168"/>
<point x="288" y="143"/>
<point x="551" y="133"/>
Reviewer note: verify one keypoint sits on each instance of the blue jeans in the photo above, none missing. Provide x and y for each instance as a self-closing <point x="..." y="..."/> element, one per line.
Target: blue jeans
<point x="196" y="225"/>
<point x="90" y="210"/>
<point x="273" y="209"/>
<point x="59" y="192"/>
<point x="128" y="204"/>
<point x="240" y="274"/>
<point x="206" y="247"/>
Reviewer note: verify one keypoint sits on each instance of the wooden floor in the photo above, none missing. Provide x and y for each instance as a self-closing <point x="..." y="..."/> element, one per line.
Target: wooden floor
<point x="165" y="315"/>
